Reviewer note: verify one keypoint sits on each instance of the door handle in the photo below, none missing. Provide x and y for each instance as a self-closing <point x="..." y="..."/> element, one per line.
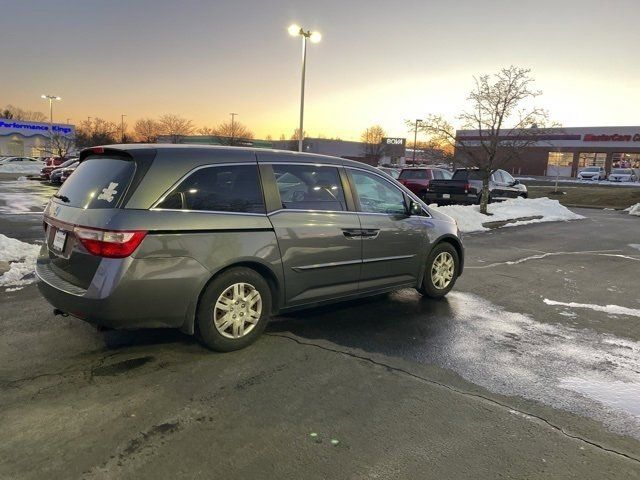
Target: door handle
<point x="352" y="233"/>
<point x="370" y="233"/>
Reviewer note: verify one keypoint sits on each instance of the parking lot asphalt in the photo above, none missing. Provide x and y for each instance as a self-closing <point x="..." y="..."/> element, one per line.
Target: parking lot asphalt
<point x="493" y="381"/>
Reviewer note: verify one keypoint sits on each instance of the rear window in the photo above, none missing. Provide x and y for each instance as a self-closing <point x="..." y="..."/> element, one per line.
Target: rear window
<point x="467" y="175"/>
<point x="413" y="175"/>
<point x="97" y="183"/>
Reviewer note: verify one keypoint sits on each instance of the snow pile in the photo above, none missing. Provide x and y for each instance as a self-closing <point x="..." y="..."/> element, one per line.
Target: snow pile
<point x="21" y="257"/>
<point x="634" y="210"/>
<point x="470" y="219"/>
<point x="22" y="167"/>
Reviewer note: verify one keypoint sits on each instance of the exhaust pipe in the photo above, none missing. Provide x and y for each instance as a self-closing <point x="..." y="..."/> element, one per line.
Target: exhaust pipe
<point x="57" y="311"/>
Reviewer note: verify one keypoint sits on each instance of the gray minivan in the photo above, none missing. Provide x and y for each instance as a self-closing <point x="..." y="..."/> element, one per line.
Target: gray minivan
<point x="215" y="240"/>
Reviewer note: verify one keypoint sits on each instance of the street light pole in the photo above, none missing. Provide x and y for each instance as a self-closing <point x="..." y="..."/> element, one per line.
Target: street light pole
<point x="315" y="37"/>
<point x="51" y="98"/>
<point x="122" y="128"/>
<point x="233" y="130"/>
<point x="415" y="140"/>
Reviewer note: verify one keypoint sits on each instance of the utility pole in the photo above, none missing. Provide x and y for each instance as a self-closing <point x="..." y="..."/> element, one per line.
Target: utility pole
<point x="233" y="129"/>
<point x="122" y="128"/>
<point x="415" y="140"/>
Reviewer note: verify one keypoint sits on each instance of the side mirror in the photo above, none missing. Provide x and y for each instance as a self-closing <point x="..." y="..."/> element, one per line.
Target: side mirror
<point x="414" y="208"/>
<point x="516" y="182"/>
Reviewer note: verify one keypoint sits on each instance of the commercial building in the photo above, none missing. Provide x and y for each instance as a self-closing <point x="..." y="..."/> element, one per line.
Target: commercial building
<point x="30" y="139"/>
<point x="566" y="151"/>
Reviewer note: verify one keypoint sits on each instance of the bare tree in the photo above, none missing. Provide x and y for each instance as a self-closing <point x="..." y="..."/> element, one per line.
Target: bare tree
<point x="229" y="133"/>
<point x="206" y="131"/>
<point x="97" y="132"/>
<point x="59" y="145"/>
<point x="146" y="130"/>
<point x="17" y="113"/>
<point x="175" y="127"/>
<point x="296" y="135"/>
<point x="503" y="121"/>
<point x="372" y="138"/>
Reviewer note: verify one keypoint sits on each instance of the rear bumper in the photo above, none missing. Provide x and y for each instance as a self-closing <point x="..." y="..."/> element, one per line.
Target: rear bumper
<point x="457" y="198"/>
<point x="129" y="293"/>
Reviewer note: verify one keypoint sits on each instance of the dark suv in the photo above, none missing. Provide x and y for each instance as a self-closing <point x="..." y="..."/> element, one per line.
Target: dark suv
<point x="218" y="239"/>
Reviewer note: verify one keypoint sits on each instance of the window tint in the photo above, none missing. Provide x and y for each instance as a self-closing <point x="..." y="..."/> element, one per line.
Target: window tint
<point x="376" y="195"/>
<point x="507" y="178"/>
<point x="467" y="175"/>
<point x="309" y="187"/>
<point x="233" y="188"/>
<point x="414" y="174"/>
<point x="97" y="183"/>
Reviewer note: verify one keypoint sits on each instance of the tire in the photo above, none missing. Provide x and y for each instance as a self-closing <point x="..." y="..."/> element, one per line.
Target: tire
<point x="251" y="316"/>
<point x="429" y="288"/>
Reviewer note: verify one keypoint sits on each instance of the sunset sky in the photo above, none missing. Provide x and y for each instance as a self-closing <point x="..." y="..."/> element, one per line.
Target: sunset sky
<point x="378" y="62"/>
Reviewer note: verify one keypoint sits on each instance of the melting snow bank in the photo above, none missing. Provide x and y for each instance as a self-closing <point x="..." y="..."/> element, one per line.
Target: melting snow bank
<point x="470" y="219"/>
<point x="21" y="257"/>
<point x="610" y="309"/>
<point x="634" y="210"/>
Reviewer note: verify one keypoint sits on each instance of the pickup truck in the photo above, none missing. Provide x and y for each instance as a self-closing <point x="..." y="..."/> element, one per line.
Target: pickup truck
<point x="465" y="187"/>
<point x="417" y="179"/>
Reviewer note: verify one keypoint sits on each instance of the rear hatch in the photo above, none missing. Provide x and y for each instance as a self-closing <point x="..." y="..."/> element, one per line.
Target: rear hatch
<point x="78" y="216"/>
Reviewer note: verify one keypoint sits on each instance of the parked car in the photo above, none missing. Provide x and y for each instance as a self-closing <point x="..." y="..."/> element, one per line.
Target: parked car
<point x="18" y="161"/>
<point x="623" y="175"/>
<point x="218" y="239"/>
<point x="391" y="171"/>
<point x="417" y="179"/>
<point x="465" y="187"/>
<point x="56" y="174"/>
<point x="53" y="161"/>
<point x="592" y="173"/>
<point x="66" y="172"/>
<point x="45" y="173"/>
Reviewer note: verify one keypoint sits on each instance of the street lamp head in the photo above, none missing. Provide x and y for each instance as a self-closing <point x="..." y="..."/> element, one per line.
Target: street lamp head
<point x="315" y="37"/>
<point x="43" y="96"/>
<point x="58" y="98"/>
<point x="294" y="30"/>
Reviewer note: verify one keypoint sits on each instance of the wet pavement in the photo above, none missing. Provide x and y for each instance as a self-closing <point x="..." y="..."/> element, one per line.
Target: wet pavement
<point x="530" y="368"/>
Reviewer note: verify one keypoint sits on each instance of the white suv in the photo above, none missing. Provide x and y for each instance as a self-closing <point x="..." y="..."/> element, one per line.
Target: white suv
<point x="592" y="173"/>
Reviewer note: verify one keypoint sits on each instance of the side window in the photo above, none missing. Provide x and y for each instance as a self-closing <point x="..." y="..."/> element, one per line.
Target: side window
<point x="376" y="195"/>
<point x="497" y="176"/>
<point x="507" y="178"/>
<point x="309" y="187"/>
<point x="233" y="188"/>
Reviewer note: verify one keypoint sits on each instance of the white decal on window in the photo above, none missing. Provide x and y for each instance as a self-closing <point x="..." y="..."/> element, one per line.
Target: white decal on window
<point x="108" y="193"/>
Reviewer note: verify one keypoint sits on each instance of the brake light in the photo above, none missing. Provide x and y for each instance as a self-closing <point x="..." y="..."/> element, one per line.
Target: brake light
<point x="109" y="243"/>
<point x="467" y="187"/>
<point x="97" y="149"/>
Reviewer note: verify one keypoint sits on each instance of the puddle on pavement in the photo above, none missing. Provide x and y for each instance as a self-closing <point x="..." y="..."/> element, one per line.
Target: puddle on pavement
<point x="513" y="354"/>
<point x="615" y="394"/>
<point x="22" y="197"/>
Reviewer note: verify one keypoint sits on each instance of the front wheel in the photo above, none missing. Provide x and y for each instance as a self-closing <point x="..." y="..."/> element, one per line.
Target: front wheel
<point x="441" y="272"/>
<point x="234" y="310"/>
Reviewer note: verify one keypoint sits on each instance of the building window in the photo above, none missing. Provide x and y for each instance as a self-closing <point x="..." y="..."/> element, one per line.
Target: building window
<point x="560" y="159"/>
<point x="592" y="159"/>
<point x="626" y="160"/>
<point x="233" y="188"/>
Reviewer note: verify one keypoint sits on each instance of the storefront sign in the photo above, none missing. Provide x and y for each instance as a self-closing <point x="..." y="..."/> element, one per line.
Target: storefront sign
<point x="16" y="126"/>
<point x="394" y="146"/>
<point x="611" y="138"/>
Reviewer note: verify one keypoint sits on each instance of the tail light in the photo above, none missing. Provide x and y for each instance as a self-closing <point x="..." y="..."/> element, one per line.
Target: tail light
<point x="467" y="187"/>
<point x="109" y="243"/>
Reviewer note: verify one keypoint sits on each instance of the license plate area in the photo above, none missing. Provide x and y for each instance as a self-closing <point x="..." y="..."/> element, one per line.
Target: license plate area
<point x="59" y="241"/>
<point x="446" y="195"/>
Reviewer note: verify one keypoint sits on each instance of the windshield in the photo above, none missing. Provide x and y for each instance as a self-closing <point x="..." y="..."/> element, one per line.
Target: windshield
<point x="622" y="171"/>
<point x="97" y="183"/>
<point x="592" y="169"/>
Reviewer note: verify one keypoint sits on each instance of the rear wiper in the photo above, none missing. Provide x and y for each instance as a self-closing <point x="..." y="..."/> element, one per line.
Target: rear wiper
<point x="61" y="197"/>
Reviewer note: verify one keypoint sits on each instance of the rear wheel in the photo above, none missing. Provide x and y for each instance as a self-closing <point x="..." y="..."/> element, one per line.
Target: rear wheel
<point x="234" y="310"/>
<point x="441" y="272"/>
